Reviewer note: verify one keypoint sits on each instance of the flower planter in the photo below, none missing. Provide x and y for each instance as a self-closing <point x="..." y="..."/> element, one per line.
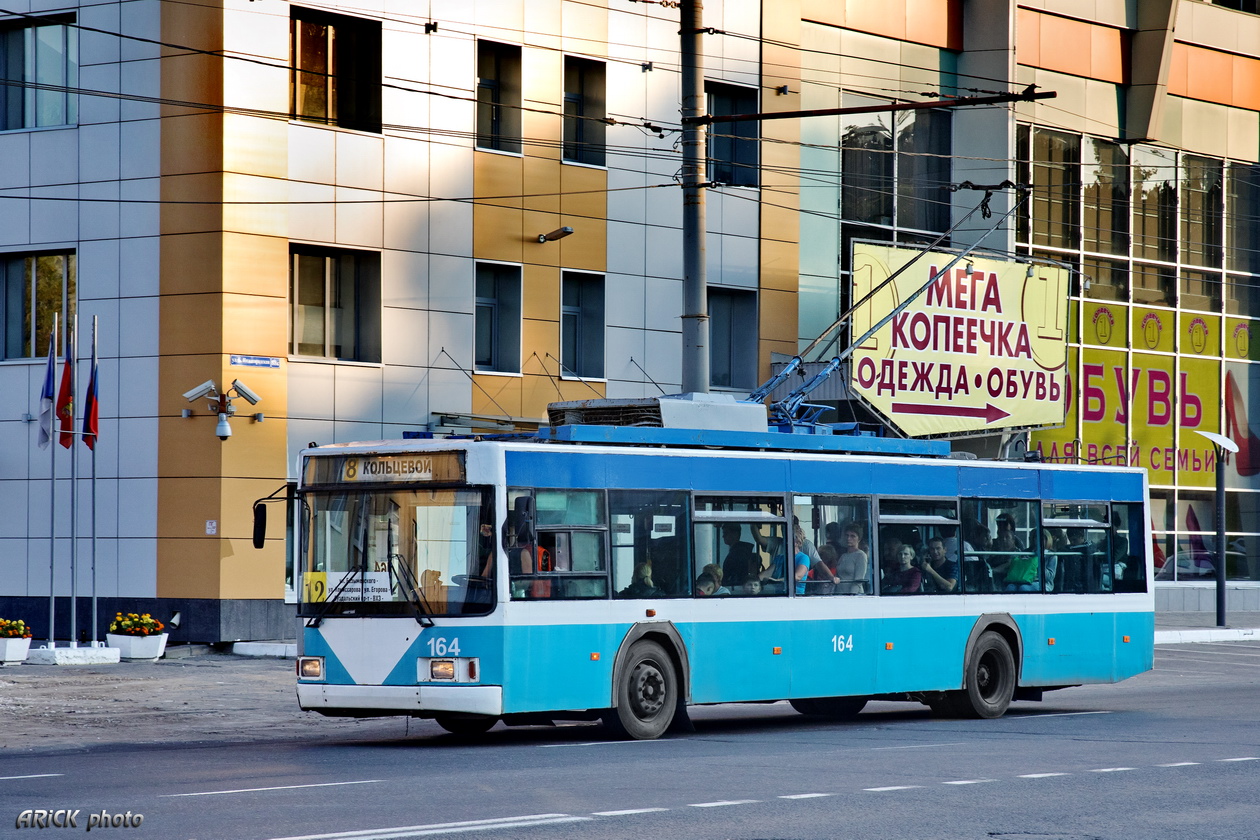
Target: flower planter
<point x="138" y="647"/>
<point x="13" y="651"/>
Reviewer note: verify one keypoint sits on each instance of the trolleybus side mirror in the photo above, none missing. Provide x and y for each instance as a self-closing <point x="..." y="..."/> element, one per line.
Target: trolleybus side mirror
<point x="260" y="524"/>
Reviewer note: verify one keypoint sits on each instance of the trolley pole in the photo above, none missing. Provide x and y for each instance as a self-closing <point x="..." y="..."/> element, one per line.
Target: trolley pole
<point x="695" y="319"/>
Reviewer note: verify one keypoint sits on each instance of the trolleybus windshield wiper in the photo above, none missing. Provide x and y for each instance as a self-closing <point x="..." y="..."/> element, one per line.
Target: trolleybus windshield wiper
<point x="411" y="589"/>
<point x="332" y="597"/>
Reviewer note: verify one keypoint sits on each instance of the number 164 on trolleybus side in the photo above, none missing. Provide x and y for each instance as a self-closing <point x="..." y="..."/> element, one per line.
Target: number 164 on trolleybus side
<point x="623" y="574"/>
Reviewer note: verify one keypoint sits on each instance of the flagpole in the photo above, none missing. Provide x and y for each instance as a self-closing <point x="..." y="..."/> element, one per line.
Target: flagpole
<point x="94" y="387"/>
<point x="52" y="515"/>
<point x="74" y="486"/>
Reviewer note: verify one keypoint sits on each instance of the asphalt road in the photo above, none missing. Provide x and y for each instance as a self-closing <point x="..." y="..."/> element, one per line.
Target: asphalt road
<point x="1174" y="753"/>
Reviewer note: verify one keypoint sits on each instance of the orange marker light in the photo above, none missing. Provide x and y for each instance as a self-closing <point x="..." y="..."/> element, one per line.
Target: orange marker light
<point x="594" y="657"/>
<point x="888" y="645"/>
<point x="651" y="613"/>
<point x="1049" y="641"/>
<point x="777" y="651"/>
<point x="1126" y="639"/>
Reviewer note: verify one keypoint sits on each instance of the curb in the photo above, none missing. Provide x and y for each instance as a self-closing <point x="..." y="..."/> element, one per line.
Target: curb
<point x="281" y="650"/>
<point x="1214" y="634"/>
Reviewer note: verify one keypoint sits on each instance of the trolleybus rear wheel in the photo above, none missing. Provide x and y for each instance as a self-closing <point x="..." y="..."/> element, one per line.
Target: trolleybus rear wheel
<point x="466" y="724"/>
<point x="646" y="693"/>
<point x="990" y="682"/>
<point x="837" y="708"/>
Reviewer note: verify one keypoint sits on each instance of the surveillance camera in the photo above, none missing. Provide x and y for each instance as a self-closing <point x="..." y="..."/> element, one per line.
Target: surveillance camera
<point x="223" y="430"/>
<point x="205" y="389"/>
<point x="249" y="395"/>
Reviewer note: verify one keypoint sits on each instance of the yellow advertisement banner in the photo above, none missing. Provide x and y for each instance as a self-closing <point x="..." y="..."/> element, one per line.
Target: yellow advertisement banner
<point x="983" y="347"/>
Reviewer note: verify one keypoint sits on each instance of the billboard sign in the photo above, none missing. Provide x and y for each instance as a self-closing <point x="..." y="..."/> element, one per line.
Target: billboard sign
<point x="983" y="348"/>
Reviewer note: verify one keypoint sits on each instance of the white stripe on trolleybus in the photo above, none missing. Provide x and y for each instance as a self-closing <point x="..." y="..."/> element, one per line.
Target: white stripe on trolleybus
<point x="442" y="828"/>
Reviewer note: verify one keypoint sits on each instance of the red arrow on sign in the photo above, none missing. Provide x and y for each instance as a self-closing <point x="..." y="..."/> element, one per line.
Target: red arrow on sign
<point x="990" y="412"/>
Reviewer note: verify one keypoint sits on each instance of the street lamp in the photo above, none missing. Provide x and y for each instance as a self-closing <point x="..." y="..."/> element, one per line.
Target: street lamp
<point x="1223" y="445"/>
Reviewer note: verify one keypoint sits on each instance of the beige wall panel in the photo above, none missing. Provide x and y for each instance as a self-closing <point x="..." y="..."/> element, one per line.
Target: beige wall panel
<point x="1103" y="104"/>
<point x="191" y="263"/>
<point x="256" y="265"/>
<point x="583" y="189"/>
<point x="192" y="218"/>
<point x="187" y="446"/>
<point x="249" y="573"/>
<point x="192" y="143"/>
<point x="191" y="78"/>
<point x="585" y="27"/>
<point x="255" y="326"/>
<point x="540" y="294"/>
<point x="256" y="146"/>
<point x="548" y="253"/>
<point x="495" y="175"/>
<point x="887" y="19"/>
<point x="497" y="234"/>
<point x="824" y="11"/>
<point x="249" y="205"/>
<point x="542" y="184"/>
<point x="777" y="323"/>
<point x="780" y="266"/>
<point x="199" y="25"/>
<point x="935" y="22"/>
<point x="1170" y="131"/>
<point x="257" y="450"/>
<point x="542" y="71"/>
<point x="1205" y="128"/>
<point x="188" y="568"/>
<point x="498" y="394"/>
<point x="180" y="372"/>
<point x="191" y="324"/>
<point x="541" y="336"/>
<point x="780" y="224"/>
<point x="1244" y="135"/>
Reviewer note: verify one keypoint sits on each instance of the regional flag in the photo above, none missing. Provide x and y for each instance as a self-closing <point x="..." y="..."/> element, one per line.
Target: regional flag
<point x="65" y="401"/>
<point x="91" y="420"/>
<point x="47" y="397"/>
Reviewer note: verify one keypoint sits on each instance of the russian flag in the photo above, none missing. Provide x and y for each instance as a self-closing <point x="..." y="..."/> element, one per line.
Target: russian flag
<point x="47" y="396"/>
<point x="91" y="421"/>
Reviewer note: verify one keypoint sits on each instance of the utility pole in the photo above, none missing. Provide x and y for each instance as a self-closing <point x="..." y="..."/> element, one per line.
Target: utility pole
<point x="695" y="319"/>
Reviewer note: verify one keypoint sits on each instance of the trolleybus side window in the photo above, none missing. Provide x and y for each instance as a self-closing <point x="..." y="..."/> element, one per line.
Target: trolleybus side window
<point x="1082" y="545"/>
<point x="649" y="535"/>
<point x="1002" y="546"/>
<point x="741" y="546"/>
<point x="913" y="534"/>
<point x="1128" y="544"/>
<point x="834" y="534"/>
<point x="566" y="556"/>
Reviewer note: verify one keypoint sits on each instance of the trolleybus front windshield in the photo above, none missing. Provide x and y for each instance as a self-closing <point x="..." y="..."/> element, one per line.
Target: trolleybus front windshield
<point x="398" y="551"/>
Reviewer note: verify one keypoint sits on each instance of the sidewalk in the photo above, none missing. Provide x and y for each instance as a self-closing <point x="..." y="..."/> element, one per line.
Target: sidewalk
<point x="1175" y="628"/>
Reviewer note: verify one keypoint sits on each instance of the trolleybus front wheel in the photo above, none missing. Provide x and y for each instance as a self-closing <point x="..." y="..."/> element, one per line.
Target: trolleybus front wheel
<point x="466" y="724"/>
<point x="990" y="680"/>
<point x="837" y="708"/>
<point x="646" y="693"/>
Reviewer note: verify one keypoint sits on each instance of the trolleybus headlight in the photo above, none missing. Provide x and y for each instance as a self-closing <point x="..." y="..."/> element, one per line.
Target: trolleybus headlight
<point x="442" y="669"/>
<point x="310" y="667"/>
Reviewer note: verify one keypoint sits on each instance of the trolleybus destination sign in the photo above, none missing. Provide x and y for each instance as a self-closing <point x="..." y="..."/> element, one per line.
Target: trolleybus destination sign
<point x="984" y="347"/>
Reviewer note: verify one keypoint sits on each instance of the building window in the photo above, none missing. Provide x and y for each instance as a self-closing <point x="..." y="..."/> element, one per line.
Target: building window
<point x="732" y="338"/>
<point x="1244" y="209"/>
<point x="44" y="55"/>
<point x="1056" y="177"/>
<point x="498" y="97"/>
<point x="584" y="112"/>
<point x="1202" y="211"/>
<point x="582" y="325"/>
<point x="1105" y="175"/>
<point x="1154" y="204"/>
<point x="733" y="145"/>
<point x="35" y="289"/>
<point x="497" y="327"/>
<point x="336" y="300"/>
<point x="336" y="61"/>
<point x="923" y="171"/>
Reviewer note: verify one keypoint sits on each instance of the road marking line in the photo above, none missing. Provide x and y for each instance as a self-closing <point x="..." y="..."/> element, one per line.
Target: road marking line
<point x="32" y="776"/>
<point x="1111" y="769"/>
<point x="920" y="746"/>
<point x="893" y="787"/>
<point x="970" y="782"/>
<point x="724" y="803"/>
<point x="441" y="828"/>
<point x="805" y="795"/>
<point x="280" y="787"/>
<point x="629" y="811"/>
<point x="598" y="744"/>
<point x="1058" y="714"/>
<point x="1180" y="764"/>
<point x="1042" y="775"/>
<point x="1248" y="758"/>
